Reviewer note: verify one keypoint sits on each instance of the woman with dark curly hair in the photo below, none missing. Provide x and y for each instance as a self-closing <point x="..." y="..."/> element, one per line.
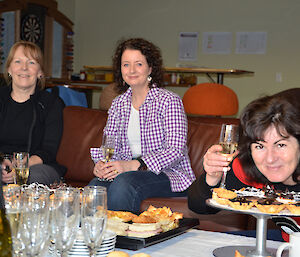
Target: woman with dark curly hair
<point x="269" y="152"/>
<point x="149" y="126"/>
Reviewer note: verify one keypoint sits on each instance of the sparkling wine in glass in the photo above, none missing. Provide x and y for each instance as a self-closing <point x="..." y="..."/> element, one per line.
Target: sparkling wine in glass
<point x="108" y="146"/>
<point x="93" y="216"/>
<point x="12" y="197"/>
<point x="20" y="167"/>
<point x="229" y="137"/>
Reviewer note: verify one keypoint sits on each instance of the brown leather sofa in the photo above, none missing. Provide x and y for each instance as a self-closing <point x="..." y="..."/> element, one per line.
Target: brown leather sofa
<point x="83" y="130"/>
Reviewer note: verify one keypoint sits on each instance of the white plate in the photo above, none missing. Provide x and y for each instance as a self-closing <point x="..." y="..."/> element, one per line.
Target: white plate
<point x="253" y="210"/>
<point x="84" y="254"/>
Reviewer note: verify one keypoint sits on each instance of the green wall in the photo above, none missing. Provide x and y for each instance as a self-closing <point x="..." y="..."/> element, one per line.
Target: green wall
<point x="98" y="24"/>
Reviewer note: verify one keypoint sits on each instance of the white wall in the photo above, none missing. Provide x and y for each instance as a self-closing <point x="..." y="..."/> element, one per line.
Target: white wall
<point x="100" y="23"/>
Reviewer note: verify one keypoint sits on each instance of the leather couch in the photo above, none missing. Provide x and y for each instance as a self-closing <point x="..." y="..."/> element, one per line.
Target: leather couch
<point x="83" y="130"/>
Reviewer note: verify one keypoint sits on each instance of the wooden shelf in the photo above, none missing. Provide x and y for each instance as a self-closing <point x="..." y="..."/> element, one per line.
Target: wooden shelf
<point x="219" y="72"/>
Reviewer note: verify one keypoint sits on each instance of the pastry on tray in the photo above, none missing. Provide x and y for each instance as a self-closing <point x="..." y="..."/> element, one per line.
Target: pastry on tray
<point x="294" y="208"/>
<point x="241" y="203"/>
<point x="124" y="216"/>
<point x="222" y="195"/>
<point x="148" y="223"/>
<point x="267" y="200"/>
<point x="269" y="205"/>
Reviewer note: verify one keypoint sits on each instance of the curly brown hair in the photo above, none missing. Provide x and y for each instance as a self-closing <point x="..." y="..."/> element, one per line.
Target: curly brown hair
<point x="277" y="110"/>
<point x="153" y="57"/>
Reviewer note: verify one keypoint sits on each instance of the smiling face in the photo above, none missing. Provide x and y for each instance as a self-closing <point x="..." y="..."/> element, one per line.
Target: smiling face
<point x="135" y="69"/>
<point x="276" y="157"/>
<point x="24" y="70"/>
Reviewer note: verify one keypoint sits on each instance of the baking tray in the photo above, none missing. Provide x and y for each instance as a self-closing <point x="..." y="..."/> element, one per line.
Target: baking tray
<point x="135" y="243"/>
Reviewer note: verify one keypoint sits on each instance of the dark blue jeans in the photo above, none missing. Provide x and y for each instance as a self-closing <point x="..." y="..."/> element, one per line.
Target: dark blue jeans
<point x="129" y="189"/>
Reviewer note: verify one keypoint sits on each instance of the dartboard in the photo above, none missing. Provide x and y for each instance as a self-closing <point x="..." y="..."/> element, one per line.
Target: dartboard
<point x="31" y="29"/>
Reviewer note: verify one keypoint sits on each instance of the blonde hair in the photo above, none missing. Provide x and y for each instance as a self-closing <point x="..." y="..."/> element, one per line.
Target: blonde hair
<point x="30" y="50"/>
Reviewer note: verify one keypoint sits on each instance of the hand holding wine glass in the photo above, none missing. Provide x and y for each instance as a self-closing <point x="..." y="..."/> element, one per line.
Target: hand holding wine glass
<point x="229" y="141"/>
<point x="108" y="148"/>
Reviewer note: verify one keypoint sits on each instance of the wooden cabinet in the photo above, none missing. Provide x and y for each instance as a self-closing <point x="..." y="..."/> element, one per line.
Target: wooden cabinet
<point x="40" y="22"/>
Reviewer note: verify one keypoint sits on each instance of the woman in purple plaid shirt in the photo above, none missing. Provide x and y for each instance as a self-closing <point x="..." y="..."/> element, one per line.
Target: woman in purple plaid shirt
<point x="150" y="129"/>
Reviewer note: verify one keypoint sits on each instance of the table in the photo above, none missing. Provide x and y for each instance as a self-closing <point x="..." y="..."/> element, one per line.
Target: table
<point x="219" y="72"/>
<point x="197" y="243"/>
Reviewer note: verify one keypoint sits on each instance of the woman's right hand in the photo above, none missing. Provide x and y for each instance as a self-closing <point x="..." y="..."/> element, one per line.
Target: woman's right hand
<point x="8" y="175"/>
<point x="215" y="164"/>
<point x="98" y="169"/>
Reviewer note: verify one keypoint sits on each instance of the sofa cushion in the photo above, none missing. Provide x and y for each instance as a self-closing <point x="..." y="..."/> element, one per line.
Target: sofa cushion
<point x="82" y="130"/>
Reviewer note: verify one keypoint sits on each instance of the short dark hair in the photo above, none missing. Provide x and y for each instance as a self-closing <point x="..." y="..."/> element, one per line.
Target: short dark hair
<point x="153" y="57"/>
<point x="256" y="118"/>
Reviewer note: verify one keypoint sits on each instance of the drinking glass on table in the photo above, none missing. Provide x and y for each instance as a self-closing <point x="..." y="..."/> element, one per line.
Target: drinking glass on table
<point x="34" y="220"/>
<point x="93" y="216"/>
<point x="12" y="197"/>
<point x="229" y="141"/>
<point x="20" y="166"/>
<point x="65" y="218"/>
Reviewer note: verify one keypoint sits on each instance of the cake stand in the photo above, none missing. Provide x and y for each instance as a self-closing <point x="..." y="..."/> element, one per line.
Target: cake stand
<point x="260" y="249"/>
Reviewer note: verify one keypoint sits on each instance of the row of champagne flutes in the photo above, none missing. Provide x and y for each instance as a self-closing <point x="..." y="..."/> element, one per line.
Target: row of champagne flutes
<point x="39" y="220"/>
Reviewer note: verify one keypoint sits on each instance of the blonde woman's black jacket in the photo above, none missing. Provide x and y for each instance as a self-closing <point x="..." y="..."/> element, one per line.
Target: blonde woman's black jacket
<point x="41" y="124"/>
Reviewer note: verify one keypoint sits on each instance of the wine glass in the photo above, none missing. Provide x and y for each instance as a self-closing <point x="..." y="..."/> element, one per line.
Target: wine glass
<point x="108" y="147"/>
<point x="12" y="197"/>
<point x="20" y="167"/>
<point x="93" y="216"/>
<point x="66" y="218"/>
<point x="229" y="141"/>
<point x="34" y="220"/>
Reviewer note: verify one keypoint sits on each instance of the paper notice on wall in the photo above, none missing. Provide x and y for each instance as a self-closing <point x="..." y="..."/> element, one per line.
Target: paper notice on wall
<point x="216" y="42"/>
<point x="251" y="42"/>
<point x="188" y="45"/>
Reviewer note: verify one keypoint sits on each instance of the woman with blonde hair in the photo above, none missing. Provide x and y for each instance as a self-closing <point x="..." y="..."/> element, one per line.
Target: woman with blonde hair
<point x="30" y="118"/>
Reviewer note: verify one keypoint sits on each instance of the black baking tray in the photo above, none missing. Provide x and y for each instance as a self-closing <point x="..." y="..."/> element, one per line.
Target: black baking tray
<point x="135" y="243"/>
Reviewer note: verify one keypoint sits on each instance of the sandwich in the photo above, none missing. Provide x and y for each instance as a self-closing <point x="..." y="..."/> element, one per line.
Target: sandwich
<point x="144" y="226"/>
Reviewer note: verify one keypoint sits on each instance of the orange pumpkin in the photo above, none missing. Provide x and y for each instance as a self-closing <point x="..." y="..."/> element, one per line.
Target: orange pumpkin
<point x="210" y="99"/>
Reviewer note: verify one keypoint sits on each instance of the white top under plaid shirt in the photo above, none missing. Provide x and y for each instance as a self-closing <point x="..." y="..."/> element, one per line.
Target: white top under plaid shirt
<point x="163" y="125"/>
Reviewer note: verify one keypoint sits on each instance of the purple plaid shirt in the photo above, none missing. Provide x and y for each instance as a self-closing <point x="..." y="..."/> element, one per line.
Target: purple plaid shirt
<point x="163" y="126"/>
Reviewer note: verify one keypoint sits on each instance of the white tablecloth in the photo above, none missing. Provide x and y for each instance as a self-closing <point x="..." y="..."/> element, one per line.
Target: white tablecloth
<point x="197" y="243"/>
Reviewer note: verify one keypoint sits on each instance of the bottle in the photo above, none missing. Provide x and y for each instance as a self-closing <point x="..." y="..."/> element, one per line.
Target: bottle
<point x="5" y="232"/>
<point x="82" y="75"/>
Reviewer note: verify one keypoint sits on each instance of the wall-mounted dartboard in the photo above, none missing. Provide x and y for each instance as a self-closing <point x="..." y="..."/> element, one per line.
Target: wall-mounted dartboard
<point x="32" y="24"/>
<point x="31" y="28"/>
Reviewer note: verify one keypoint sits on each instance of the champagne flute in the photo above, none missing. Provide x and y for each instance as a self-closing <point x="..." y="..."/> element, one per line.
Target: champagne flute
<point x="66" y="218"/>
<point x="12" y="196"/>
<point x="93" y="216"/>
<point x="20" y="167"/>
<point x="108" y="147"/>
<point x="229" y="141"/>
<point x="34" y="220"/>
